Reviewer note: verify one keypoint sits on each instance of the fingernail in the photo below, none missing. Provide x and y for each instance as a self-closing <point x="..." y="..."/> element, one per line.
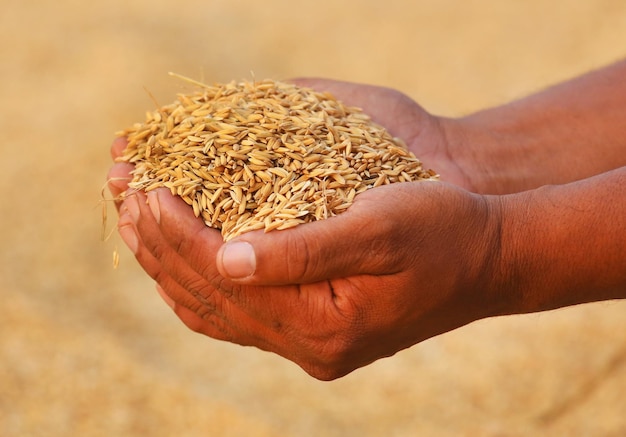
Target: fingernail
<point x="168" y="300"/>
<point x="238" y="259"/>
<point x="153" y="203"/>
<point x="132" y="206"/>
<point x="127" y="232"/>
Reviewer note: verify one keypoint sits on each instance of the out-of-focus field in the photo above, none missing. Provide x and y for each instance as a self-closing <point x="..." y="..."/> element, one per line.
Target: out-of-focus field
<point x="86" y="350"/>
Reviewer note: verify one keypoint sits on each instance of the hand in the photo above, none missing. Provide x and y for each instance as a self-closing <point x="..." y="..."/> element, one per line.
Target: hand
<point x="567" y="132"/>
<point x="404" y="263"/>
<point x="427" y="136"/>
<point x="409" y="261"/>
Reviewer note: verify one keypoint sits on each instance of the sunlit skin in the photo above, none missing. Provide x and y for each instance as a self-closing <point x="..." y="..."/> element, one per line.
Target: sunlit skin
<point x="410" y="261"/>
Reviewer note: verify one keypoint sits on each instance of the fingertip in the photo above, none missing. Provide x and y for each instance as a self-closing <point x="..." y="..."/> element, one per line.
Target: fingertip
<point x="155" y="205"/>
<point x="118" y="178"/>
<point x="169" y="207"/>
<point x="318" y="84"/>
<point x="118" y="146"/>
<point x="236" y="260"/>
<point x="120" y="173"/>
<point x="264" y="258"/>
<point x="129" y="235"/>
<point x="306" y="253"/>
<point x="166" y="298"/>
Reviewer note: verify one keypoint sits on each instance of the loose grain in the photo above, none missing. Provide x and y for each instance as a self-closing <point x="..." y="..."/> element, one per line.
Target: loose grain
<point x="264" y="155"/>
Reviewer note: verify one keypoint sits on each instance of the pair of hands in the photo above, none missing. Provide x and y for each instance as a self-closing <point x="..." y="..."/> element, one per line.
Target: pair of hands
<point x="404" y="263"/>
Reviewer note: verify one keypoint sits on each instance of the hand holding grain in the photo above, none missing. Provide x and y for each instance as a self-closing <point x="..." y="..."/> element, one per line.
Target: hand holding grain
<point x="332" y="295"/>
<point x="264" y="155"/>
<point x="404" y="263"/>
<point x="413" y="260"/>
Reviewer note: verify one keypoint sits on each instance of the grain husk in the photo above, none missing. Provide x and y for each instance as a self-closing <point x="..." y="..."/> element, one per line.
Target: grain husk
<point x="269" y="155"/>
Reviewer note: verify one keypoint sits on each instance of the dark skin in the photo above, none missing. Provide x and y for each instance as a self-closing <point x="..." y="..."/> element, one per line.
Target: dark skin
<point x="407" y="262"/>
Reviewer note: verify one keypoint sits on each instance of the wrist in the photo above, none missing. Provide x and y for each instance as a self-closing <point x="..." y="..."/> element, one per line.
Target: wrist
<point x="478" y="156"/>
<point x="534" y="264"/>
<point x="562" y="245"/>
<point x="500" y="294"/>
<point x="562" y="134"/>
<point x="502" y="152"/>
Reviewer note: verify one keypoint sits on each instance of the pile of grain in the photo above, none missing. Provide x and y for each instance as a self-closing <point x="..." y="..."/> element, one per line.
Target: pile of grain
<point x="264" y="155"/>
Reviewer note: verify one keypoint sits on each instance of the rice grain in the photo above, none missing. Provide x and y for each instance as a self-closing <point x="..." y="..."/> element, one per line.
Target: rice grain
<point x="264" y="155"/>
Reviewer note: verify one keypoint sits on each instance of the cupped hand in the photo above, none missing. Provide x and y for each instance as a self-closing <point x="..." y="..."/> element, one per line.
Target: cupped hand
<point x="404" y="263"/>
<point x="427" y="136"/>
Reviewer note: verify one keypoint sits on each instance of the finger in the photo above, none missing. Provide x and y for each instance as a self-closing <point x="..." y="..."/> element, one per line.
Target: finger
<point x="151" y="265"/>
<point x="237" y="328"/>
<point x="206" y="323"/>
<point x="178" y="251"/>
<point x="172" y="275"/>
<point x="358" y="241"/>
<point x="386" y="106"/>
<point x="198" y="245"/>
<point x="286" y="320"/>
<point x="118" y="146"/>
<point x="349" y="92"/>
<point x="154" y="246"/>
<point x="311" y="253"/>
<point x="179" y="239"/>
<point x="119" y="175"/>
<point x="202" y="314"/>
<point x="118" y="178"/>
<point x="258" y="335"/>
<point x="166" y="297"/>
<point x="210" y="323"/>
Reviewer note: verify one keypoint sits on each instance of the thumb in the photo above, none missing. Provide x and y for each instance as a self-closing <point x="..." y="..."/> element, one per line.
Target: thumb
<point x="349" y="244"/>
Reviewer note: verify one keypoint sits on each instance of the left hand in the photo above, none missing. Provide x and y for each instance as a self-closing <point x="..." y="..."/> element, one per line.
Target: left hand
<point x="404" y="263"/>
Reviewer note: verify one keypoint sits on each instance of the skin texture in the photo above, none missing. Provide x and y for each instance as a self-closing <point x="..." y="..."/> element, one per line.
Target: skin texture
<point x="407" y="262"/>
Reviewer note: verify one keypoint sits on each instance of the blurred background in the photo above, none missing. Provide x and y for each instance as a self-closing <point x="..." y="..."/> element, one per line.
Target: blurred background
<point x="89" y="350"/>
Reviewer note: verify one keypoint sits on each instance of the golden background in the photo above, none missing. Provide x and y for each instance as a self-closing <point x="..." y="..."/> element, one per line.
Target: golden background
<point x="86" y="350"/>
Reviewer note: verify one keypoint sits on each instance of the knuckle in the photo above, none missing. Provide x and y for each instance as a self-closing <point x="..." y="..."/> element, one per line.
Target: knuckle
<point x="300" y="262"/>
<point x="226" y="288"/>
<point x="217" y="326"/>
